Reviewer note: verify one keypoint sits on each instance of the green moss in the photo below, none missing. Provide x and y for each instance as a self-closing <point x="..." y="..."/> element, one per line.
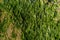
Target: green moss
<point x="34" y="18"/>
<point x="14" y="35"/>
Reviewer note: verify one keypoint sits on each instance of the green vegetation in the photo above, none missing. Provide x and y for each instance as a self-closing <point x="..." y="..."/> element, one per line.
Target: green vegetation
<point x="29" y="20"/>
